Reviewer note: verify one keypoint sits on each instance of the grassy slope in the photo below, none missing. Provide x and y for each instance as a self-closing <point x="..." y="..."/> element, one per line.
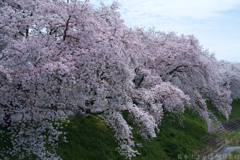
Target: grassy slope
<point x="235" y="109"/>
<point x="234" y="140"/>
<point x="90" y="139"/>
<point x="234" y="156"/>
<point x="234" y="113"/>
<point x="172" y="140"/>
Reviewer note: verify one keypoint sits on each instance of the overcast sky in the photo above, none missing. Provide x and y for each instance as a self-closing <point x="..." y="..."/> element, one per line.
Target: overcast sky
<point x="216" y="23"/>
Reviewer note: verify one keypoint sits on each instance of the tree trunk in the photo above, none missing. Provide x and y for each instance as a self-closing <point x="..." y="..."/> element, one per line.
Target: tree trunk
<point x="7" y="119"/>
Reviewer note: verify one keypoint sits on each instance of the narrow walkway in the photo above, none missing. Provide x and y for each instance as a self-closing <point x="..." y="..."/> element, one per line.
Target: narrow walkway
<point x="214" y="145"/>
<point x="222" y="155"/>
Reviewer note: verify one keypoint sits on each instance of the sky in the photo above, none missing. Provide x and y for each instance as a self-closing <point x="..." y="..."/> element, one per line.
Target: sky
<point x="215" y="23"/>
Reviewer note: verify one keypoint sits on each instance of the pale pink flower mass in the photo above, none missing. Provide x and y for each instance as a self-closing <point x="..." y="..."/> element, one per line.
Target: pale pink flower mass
<point x="71" y="57"/>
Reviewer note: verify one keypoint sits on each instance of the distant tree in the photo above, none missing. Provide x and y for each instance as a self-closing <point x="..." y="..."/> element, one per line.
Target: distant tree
<point x="227" y="76"/>
<point x="235" y="80"/>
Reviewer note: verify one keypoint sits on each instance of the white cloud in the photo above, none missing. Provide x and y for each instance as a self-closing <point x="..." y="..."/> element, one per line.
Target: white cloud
<point x="176" y="9"/>
<point x="229" y="52"/>
<point x="213" y="22"/>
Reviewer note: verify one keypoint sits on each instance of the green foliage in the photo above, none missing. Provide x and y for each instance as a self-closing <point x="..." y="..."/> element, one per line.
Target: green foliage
<point x="89" y="139"/>
<point x="234" y="138"/>
<point x="173" y="139"/>
<point x="215" y="111"/>
<point x="235" y="113"/>
<point x="215" y="135"/>
<point x="6" y="142"/>
<point x="234" y="156"/>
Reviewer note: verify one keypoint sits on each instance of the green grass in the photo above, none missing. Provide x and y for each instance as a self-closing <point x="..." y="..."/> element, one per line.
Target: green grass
<point x="235" y="113"/>
<point x="234" y="156"/>
<point x="234" y="138"/>
<point x="215" y="111"/>
<point x="91" y="139"/>
<point x="174" y="140"/>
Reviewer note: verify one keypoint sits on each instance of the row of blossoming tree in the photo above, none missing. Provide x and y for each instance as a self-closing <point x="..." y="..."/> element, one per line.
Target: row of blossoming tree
<point x="72" y="57"/>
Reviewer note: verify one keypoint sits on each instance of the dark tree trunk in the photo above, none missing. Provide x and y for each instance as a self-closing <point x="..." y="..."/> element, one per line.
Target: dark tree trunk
<point x="7" y="119"/>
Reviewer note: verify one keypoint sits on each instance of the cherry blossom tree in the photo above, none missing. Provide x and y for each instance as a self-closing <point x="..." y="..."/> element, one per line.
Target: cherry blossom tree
<point x="77" y="61"/>
<point x="183" y="62"/>
<point x="70" y="57"/>
<point x="235" y="81"/>
<point x="228" y="74"/>
<point x="219" y="92"/>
